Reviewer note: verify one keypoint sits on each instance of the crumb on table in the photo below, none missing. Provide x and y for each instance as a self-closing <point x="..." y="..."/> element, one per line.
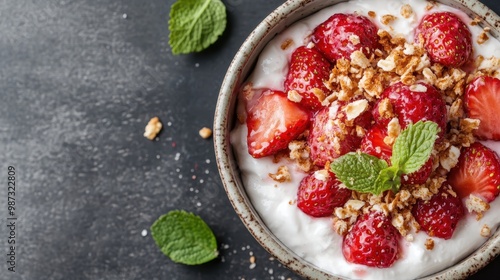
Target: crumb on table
<point x="153" y="128"/>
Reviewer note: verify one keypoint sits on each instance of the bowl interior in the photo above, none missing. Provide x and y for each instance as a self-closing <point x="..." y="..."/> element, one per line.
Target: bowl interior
<point x="239" y="69"/>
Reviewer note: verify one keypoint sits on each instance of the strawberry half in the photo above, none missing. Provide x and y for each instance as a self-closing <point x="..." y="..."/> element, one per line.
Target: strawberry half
<point x="320" y="192"/>
<point x="373" y="144"/>
<point x="410" y="104"/>
<point x="372" y="241"/>
<point x="332" y="136"/>
<point x="440" y="215"/>
<point x="273" y="121"/>
<point x="342" y="34"/>
<point x="446" y="38"/>
<point x="477" y="172"/>
<point x="306" y="74"/>
<point x="482" y="102"/>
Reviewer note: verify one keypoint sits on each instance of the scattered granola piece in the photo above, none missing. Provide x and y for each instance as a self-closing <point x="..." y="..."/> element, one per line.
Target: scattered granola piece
<point x="476" y="21"/>
<point x="387" y="19"/>
<point x="252" y="259"/>
<point x="294" y="96"/>
<point x="476" y="204"/>
<point x="340" y="226"/>
<point x="354" y="39"/>
<point x="152" y="128"/>
<point x="393" y="130"/>
<point x="429" y="244"/>
<point x="286" y="44"/>
<point x="406" y="11"/>
<point x="372" y="14"/>
<point x="485" y="231"/>
<point x="355" y="108"/>
<point x="205" y="132"/>
<point x="282" y="175"/>
<point x="358" y="58"/>
<point x="450" y="159"/>
<point x="483" y="36"/>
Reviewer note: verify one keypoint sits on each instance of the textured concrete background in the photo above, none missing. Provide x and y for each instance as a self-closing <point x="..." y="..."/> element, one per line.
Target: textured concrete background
<point x="79" y="80"/>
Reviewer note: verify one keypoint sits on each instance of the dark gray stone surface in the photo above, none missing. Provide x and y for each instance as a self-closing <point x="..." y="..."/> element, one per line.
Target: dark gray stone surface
<point x="79" y="80"/>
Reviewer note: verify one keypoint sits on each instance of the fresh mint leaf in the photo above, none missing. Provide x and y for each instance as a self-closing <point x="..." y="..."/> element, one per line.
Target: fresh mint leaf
<point x="388" y="179"/>
<point x="184" y="238"/>
<point x="368" y="174"/>
<point x="195" y="24"/>
<point x="358" y="171"/>
<point x="413" y="146"/>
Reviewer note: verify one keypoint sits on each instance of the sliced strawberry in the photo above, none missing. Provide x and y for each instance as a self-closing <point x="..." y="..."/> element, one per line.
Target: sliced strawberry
<point x="342" y="34"/>
<point x="477" y="172"/>
<point x="320" y="192"/>
<point x="372" y="241"/>
<point x="373" y="144"/>
<point x="482" y="102"/>
<point x="273" y="121"/>
<point x="446" y="38"/>
<point x="410" y="104"/>
<point x="306" y="74"/>
<point x="440" y="215"/>
<point x="332" y="135"/>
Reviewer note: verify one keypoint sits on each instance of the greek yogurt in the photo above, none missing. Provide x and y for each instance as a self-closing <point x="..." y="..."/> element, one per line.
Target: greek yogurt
<point x="313" y="239"/>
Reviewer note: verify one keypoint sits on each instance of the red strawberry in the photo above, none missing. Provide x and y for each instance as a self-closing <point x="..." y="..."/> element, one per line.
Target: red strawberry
<point x="446" y="38"/>
<point x="372" y="241"/>
<point x="273" y="121"/>
<point x="331" y="135"/>
<point x="306" y="74"/>
<point x="342" y="34"/>
<point x="477" y="172"/>
<point x="482" y="101"/>
<point x="319" y="193"/>
<point x="419" y="102"/>
<point x="373" y="144"/>
<point x="440" y="215"/>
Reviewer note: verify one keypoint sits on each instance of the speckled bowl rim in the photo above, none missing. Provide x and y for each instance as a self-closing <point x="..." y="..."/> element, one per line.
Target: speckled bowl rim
<point x="240" y="67"/>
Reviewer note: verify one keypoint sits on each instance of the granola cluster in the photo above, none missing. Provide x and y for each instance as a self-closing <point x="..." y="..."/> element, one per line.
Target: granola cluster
<point x="361" y="81"/>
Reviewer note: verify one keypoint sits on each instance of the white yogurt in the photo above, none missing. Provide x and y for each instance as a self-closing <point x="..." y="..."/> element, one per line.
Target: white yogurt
<point x="314" y="238"/>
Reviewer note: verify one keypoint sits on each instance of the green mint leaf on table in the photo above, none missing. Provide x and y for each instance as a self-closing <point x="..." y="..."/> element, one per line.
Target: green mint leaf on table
<point x="358" y="171"/>
<point x="184" y="238"/>
<point x="195" y="24"/>
<point x="368" y="174"/>
<point x="413" y="146"/>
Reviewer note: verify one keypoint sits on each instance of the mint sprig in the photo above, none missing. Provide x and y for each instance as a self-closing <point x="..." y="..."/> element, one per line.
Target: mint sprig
<point x="184" y="238"/>
<point x="195" y="24"/>
<point x="368" y="174"/>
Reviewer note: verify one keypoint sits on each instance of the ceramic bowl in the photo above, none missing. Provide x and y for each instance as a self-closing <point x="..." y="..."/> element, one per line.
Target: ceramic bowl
<point x="239" y="69"/>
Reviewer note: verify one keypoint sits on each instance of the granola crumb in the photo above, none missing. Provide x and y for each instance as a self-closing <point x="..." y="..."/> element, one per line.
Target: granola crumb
<point x="294" y="96"/>
<point x="282" y="175"/>
<point x="476" y="204"/>
<point x="429" y="244"/>
<point x="387" y="19"/>
<point x="252" y="259"/>
<point x="153" y="128"/>
<point x="286" y="44"/>
<point x="355" y="108"/>
<point x="205" y="132"/>
<point x="483" y="36"/>
<point x="354" y="39"/>
<point x="476" y="21"/>
<point x="372" y="14"/>
<point x="485" y="231"/>
<point x="406" y="11"/>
